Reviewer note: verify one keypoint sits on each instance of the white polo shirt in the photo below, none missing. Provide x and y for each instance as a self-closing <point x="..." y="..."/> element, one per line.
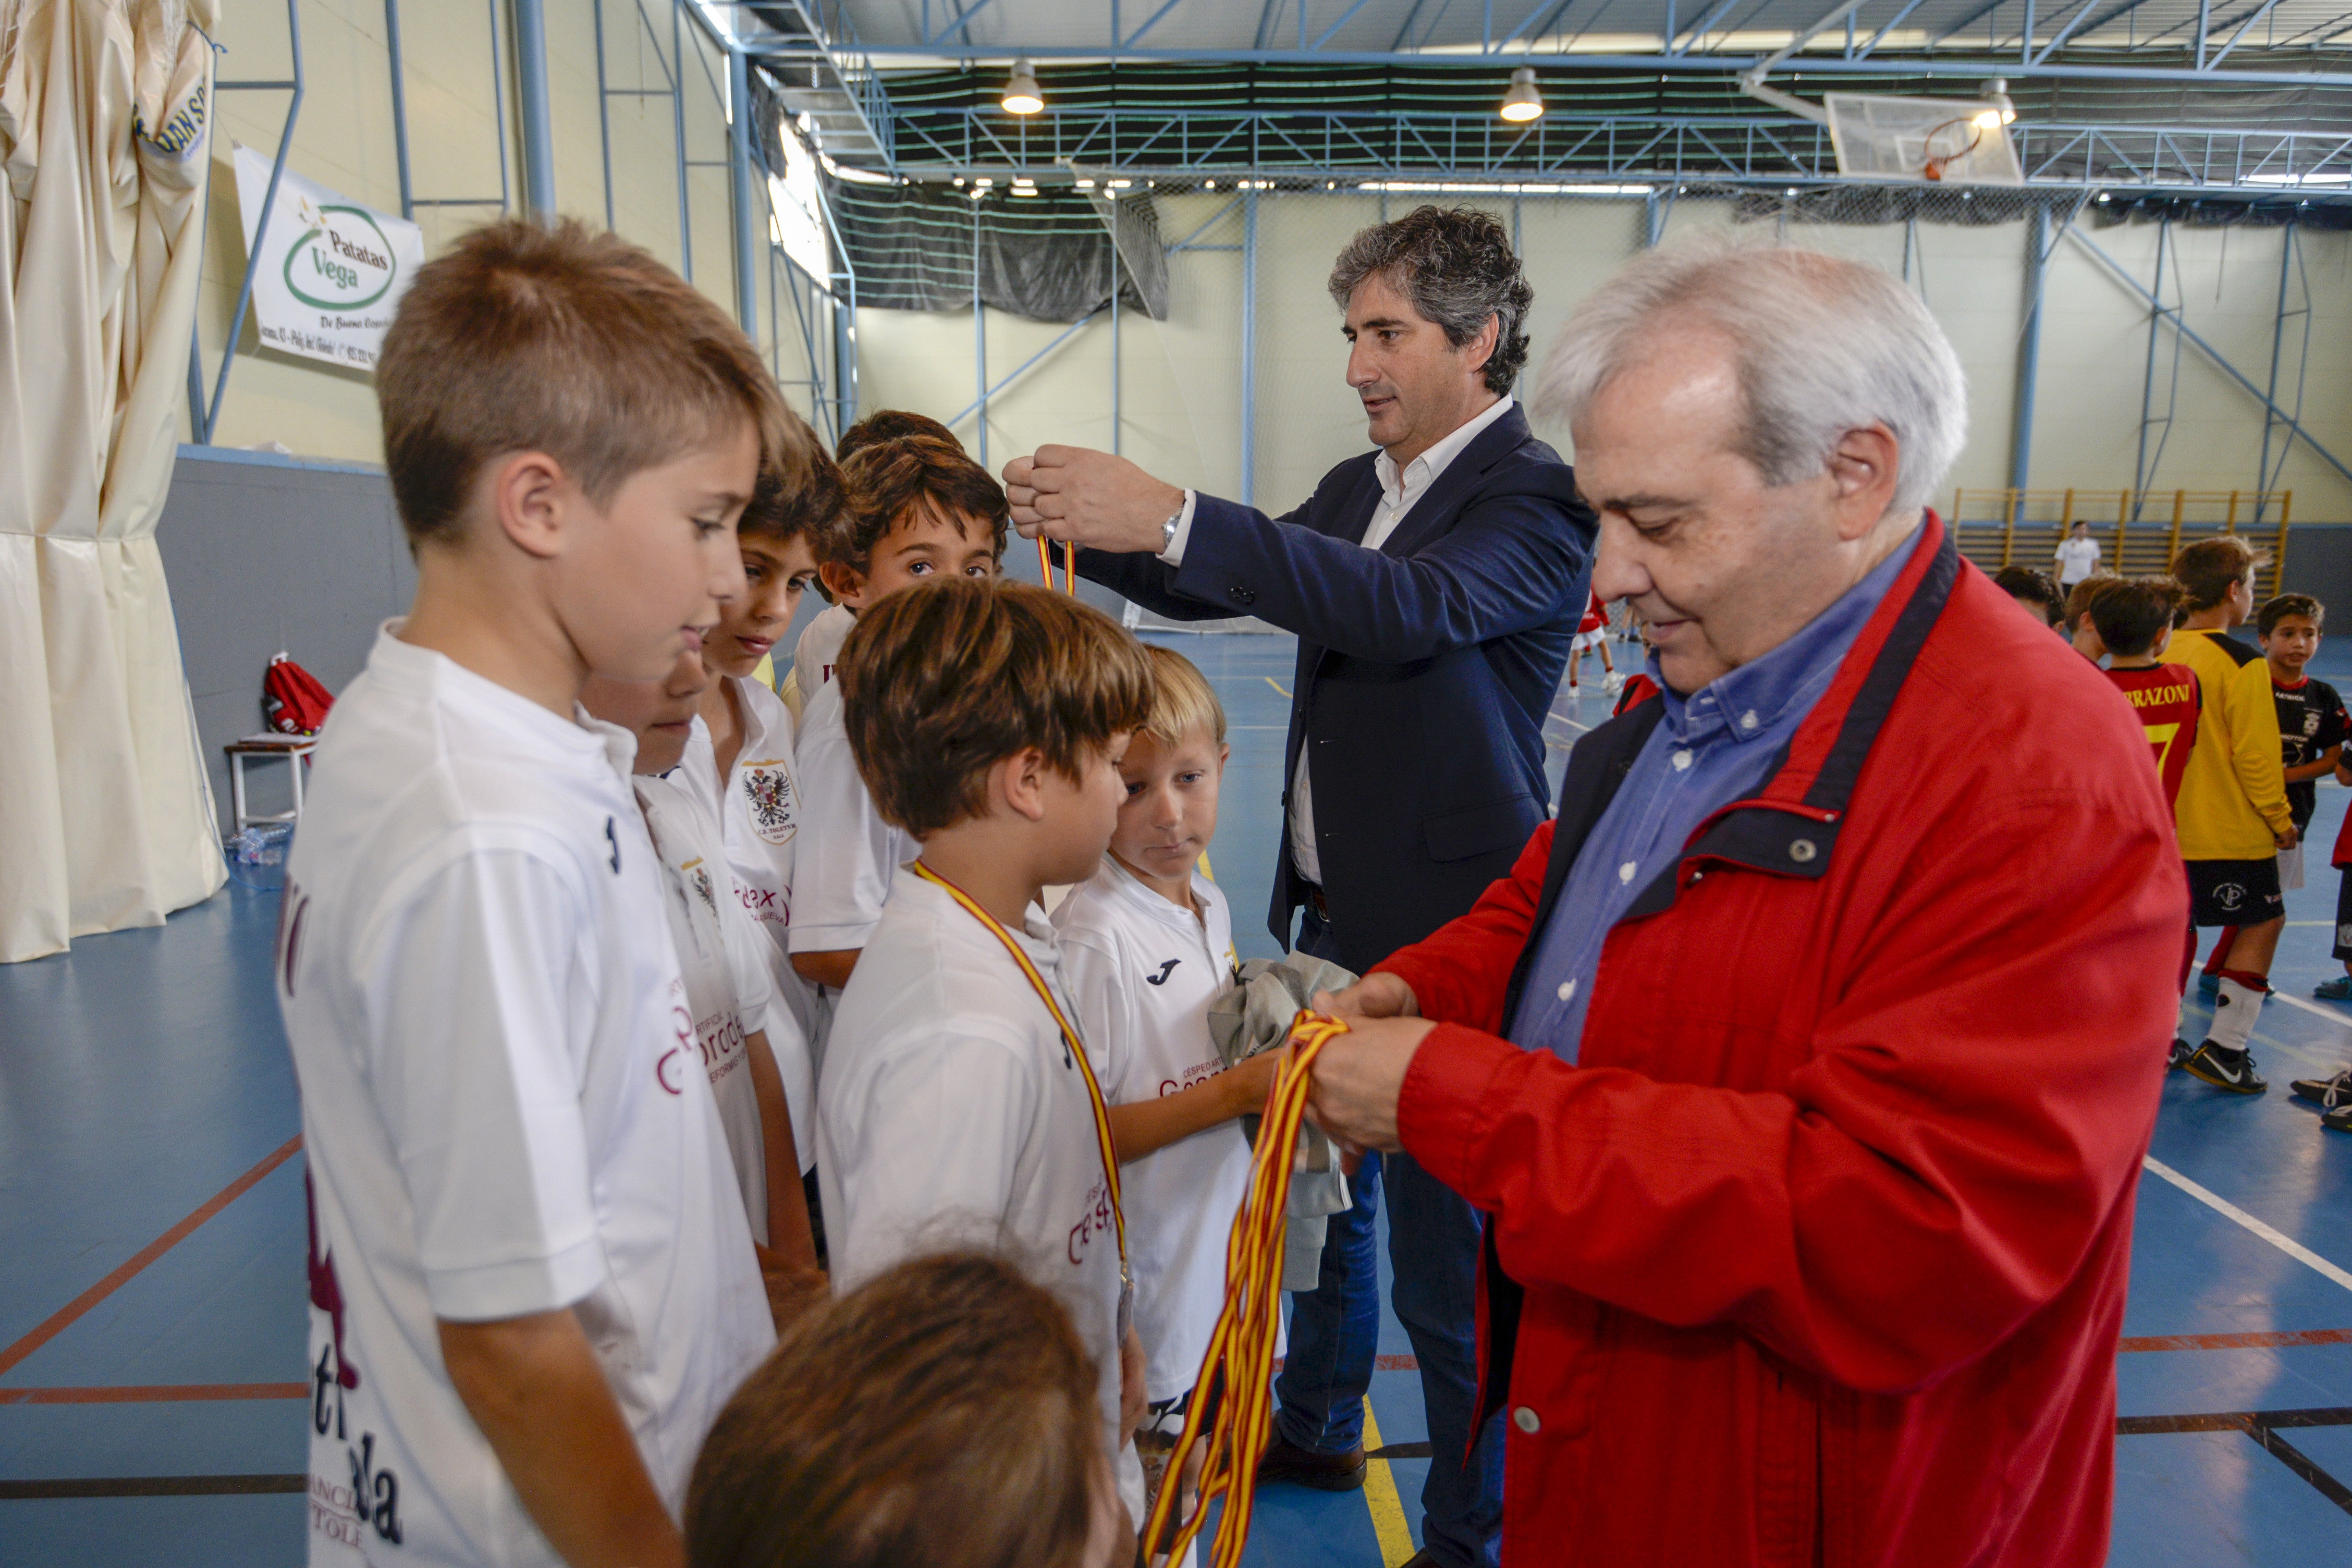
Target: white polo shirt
<point x="846" y="859"/>
<point x="819" y="649"/>
<point x="1143" y="973"/>
<point x="759" y="812"/>
<point x="501" y="1110"/>
<point x="949" y="1113"/>
<point x="725" y="962"/>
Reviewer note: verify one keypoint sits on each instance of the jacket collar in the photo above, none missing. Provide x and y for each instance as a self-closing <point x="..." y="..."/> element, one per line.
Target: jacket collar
<point x="1790" y="828"/>
<point x="1441" y="503"/>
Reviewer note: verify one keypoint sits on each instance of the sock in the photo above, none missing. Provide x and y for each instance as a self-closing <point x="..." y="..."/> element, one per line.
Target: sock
<point x="2219" y="961"/>
<point x="2235" y="1010"/>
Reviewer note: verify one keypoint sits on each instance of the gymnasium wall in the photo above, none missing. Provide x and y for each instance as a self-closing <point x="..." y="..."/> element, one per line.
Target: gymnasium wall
<point x="1181" y="404"/>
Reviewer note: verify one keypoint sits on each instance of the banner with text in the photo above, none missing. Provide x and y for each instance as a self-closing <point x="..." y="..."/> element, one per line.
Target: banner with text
<point x="330" y="274"/>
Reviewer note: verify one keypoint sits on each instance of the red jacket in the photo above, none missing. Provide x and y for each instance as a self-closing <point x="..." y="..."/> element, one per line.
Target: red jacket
<point x="1819" y="1256"/>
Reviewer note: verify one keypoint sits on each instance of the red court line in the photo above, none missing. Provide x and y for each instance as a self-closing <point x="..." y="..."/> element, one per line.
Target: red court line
<point x="65" y="1316"/>
<point x="153" y="1393"/>
<point x="2270" y="1340"/>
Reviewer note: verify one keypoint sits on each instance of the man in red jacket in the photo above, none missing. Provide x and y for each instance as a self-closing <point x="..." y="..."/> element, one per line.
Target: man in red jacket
<point x="1809" y="1152"/>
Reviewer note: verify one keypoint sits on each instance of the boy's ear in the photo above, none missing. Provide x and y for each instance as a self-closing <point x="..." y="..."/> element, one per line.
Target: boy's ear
<point x="1019" y="782"/>
<point x="845" y="581"/>
<point x="529" y="497"/>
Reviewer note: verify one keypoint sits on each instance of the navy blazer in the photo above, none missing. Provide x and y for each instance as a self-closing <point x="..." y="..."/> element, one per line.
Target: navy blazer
<point x="1425" y="669"/>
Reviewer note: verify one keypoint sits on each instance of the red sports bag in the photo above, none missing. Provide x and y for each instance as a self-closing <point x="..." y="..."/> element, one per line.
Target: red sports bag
<point x="293" y="700"/>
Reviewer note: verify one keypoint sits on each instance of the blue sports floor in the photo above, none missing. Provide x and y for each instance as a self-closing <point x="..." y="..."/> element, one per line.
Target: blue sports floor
<point x="152" y="1310"/>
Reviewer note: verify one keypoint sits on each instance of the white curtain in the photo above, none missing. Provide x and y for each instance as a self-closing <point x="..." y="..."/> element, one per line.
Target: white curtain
<point x="106" y="819"/>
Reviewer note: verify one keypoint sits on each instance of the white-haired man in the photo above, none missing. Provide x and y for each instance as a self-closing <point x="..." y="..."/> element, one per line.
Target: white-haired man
<point x="1810" y="1154"/>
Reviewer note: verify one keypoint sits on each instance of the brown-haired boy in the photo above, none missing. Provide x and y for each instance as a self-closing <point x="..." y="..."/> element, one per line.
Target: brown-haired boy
<point x="532" y="1279"/>
<point x="2232" y="812"/>
<point x="819" y="647"/>
<point x="956" y="1103"/>
<point x="919" y="509"/>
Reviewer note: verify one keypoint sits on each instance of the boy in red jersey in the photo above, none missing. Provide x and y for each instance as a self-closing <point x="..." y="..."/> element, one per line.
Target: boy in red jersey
<point x="2132" y="620"/>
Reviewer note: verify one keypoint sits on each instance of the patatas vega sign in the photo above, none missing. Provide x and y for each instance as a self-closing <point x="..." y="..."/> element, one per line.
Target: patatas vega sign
<point x="331" y="272"/>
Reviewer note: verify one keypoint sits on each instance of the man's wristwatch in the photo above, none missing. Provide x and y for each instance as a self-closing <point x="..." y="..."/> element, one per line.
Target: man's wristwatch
<point x="1167" y="531"/>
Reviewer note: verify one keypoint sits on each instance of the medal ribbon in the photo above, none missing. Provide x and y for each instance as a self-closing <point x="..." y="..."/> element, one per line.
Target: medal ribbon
<point x="1070" y="1042"/>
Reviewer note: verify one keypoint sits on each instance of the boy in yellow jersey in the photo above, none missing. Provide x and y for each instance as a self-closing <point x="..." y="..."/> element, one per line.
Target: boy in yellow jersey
<point x="2232" y="814"/>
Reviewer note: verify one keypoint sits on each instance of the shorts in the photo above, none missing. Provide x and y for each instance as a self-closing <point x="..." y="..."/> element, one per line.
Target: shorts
<point x="2344" y="915"/>
<point x="1164" y="1419"/>
<point x="2234" y="892"/>
<point x="2291" y="869"/>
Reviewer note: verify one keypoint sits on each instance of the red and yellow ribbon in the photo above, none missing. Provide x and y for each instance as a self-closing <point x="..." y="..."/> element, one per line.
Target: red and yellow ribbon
<point x="1237" y="1373"/>
<point x="1069" y="565"/>
<point x="1070" y="1041"/>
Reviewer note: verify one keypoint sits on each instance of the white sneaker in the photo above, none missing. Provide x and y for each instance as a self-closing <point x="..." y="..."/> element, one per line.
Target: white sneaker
<point x="1612" y="683"/>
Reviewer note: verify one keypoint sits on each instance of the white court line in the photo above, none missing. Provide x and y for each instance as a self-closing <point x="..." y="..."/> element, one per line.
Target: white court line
<point x="2224" y="1207"/>
<point x="2314" y="1008"/>
<point x="1564" y="719"/>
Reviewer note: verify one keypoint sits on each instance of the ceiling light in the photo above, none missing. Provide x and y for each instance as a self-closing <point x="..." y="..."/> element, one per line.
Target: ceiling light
<point x="1121" y="185"/>
<point x="1996" y="93"/>
<point x="1988" y="119"/>
<point x="1022" y="94"/>
<point x="1086" y="185"/>
<point x="958" y="179"/>
<point x="1208" y="184"/>
<point x="1523" y="103"/>
<point x="983" y="181"/>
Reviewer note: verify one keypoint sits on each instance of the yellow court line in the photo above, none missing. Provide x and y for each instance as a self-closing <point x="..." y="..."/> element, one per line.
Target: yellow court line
<point x="1381" y="1496"/>
<point x="1276" y="684"/>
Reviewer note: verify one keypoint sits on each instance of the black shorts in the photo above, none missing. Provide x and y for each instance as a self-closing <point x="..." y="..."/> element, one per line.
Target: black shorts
<point x="2234" y="892"/>
<point x="2344" y="915"/>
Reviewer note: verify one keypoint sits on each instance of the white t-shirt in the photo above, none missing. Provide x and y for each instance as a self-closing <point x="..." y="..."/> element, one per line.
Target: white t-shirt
<point x="847" y="856"/>
<point x="949" y="1113"/>
<point x="819" y="649"/>
<point x="1143" y="973"/>
<point x="2077" y="559"/>
<point x="725" y="961"/>
<point x="759" y="812"/>
<point x="499" y="1106"/>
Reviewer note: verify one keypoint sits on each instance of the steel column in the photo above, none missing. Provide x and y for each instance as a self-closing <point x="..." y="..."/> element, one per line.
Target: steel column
<point x="2147" y="376"/>
<point x="531" y="107"/>
<point x="1249" y="345"/>
<point x="203" y="418"/>
<point x="2028" y="351"/>
<point x="750" y="240"/>
<point x="980" y="338"/>
<point x="400" y="104"/>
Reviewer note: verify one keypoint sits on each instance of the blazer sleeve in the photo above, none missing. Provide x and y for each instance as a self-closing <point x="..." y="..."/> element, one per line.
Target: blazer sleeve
<point x="1515" y="559"/>
<point x="1150" y="581"/>
<point x="1937" y="1170"/>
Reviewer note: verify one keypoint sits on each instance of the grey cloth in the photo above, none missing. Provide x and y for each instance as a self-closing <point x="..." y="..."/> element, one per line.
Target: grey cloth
<point x="1255" y="1015"/>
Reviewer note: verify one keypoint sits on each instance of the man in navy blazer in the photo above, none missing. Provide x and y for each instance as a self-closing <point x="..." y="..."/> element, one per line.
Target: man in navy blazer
<point x="1434" y="585"/>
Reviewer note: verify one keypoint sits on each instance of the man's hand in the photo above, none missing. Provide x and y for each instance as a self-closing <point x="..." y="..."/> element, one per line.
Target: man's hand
<point x="1358" y="1077"/>
<point x="1092" y="498"/>
<point x="2288" y="840"/>
<point x="1381" y="996"/>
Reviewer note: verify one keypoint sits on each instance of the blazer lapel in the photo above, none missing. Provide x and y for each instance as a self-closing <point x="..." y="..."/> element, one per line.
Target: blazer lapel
<point x="1355" y="520"/>
<point x="1442" y="502"/>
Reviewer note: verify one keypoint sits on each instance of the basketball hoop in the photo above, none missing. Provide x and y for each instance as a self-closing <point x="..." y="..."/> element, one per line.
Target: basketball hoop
<point x="1937" y="140"/>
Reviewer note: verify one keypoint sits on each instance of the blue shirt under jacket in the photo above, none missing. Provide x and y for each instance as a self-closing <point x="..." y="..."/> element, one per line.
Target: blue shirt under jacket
<point x="1717" y="745"/>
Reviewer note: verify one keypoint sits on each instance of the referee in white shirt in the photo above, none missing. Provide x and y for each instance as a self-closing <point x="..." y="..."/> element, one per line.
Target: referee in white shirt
<point x="1434" y="585"/>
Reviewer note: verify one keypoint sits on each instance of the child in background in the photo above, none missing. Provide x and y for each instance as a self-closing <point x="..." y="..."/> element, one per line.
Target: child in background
<point x="957" y="1104"/>
<point x="2033" y="589"/>
<point x="1592" y="632"/>
<point x="725" y="965"/>
<point x="2132" y="620"/>
<point x="942" y="1415"/>
<point x="531" y="1282"/>
<point x="739" y="754"/>
<point x="918" y="510"/>
<point x="819" y="647"/>
<point x="2312" y="731"/>
<point x="1147" y="943"/>
<point x="2074" y="620"/>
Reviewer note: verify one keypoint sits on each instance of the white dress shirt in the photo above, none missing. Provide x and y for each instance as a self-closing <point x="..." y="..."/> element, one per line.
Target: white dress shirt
<point x="1398" y="493"/>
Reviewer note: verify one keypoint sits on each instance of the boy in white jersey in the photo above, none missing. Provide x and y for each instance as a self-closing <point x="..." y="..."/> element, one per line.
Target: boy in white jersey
<point x="1147" y="945"/>
<point x="919" y="509"/>
<point x="533" y="1284"/>
<point x="738" y="756"/>
<point x="751" y="1049"/>
<point x="957" y="1103"/>
<point x="819" y="648"/>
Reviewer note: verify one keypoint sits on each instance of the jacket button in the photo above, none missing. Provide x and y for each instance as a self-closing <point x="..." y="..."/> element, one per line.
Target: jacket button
<point x="1802" y="850"/>
<point x="1240" y="595"/>
<point x="1527" y="1420"/>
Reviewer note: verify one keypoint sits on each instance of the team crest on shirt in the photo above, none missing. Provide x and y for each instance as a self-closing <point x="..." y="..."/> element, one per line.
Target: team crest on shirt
<point x="768" y="791"/>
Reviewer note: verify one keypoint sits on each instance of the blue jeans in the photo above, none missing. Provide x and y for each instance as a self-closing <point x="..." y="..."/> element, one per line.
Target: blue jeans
<point x="1434" y="1242"/>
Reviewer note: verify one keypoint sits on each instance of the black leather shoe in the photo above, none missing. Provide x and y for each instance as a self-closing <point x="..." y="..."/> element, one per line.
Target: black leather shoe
<point x="1283" y="1462"/>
